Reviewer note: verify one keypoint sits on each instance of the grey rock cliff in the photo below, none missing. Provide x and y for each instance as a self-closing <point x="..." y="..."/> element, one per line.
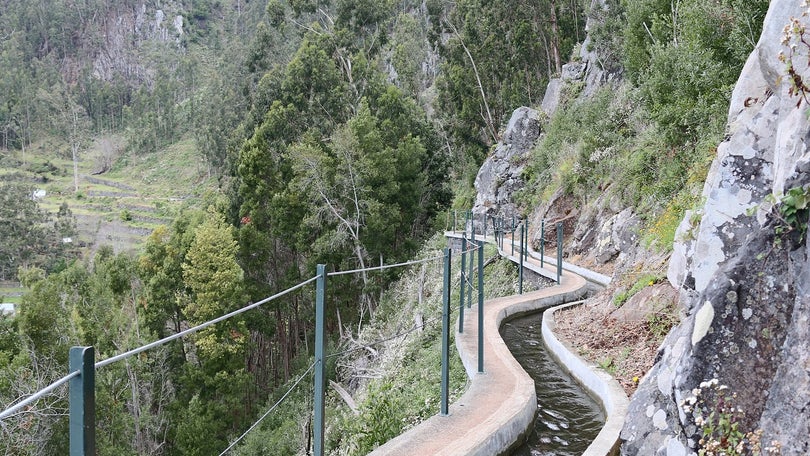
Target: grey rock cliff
<point x="743" y="278"/>
<point x="501" y="174"/>
<point x="126" y="30"/>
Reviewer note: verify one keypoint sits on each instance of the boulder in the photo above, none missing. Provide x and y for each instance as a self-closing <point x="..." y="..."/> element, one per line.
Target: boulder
<point x="618" y="234"/>
<point x="551" y="99"/>
<point x="522" y="130"/>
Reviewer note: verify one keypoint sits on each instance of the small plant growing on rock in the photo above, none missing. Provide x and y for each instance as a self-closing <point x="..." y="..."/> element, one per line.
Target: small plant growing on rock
<point x="794" y="35"/>
<point x="646" y="280"/>
<point x="713" y="408"/>
<point x="792" y="211"/>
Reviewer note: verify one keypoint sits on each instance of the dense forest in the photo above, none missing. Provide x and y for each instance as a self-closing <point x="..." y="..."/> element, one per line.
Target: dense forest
<point x="337" y="132"/>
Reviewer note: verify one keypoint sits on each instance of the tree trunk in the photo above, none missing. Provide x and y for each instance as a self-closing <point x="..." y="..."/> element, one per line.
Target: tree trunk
<point x="74" y="149"/>
<point x="555" y="37"/>
<point x="488" y="119"/>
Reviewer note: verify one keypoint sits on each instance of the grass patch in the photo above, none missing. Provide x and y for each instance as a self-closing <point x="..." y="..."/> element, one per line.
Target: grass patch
<point x="11" y="292"/>
<point x="178" y="170"/>
<point x="645" y="280"/>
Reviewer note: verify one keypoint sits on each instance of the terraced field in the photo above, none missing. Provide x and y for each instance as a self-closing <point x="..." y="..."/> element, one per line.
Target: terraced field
<point x="121" y="206"/>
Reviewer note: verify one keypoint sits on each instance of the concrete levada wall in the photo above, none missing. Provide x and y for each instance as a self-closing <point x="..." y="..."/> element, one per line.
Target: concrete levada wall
<point x="597" y="382"/>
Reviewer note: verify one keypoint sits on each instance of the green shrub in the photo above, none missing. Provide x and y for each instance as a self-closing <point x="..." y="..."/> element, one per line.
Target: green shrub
<point x="644" y="281"/>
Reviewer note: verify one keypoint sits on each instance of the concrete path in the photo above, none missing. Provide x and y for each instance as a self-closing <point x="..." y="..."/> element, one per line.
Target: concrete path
<point x="498" y="409"/>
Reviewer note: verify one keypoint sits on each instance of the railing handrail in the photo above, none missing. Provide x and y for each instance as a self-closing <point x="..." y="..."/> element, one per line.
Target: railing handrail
<point x="38" y="395"/>
<point x="475" y="243"/>
<point x="44" y="391"/>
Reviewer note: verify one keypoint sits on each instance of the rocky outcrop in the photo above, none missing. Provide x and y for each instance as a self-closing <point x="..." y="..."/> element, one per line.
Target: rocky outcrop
<point x="500" y="177"/>
<point x="126" y="30"/>
<point x="589" y="67"/>
<point x="743" y="276"/>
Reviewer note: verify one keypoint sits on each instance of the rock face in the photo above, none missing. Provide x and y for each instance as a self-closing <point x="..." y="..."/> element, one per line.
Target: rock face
<point x="501" y="174"/>
<point x="743" y="276"/>
<point x="588" y="68"/>
<point x="125" y="30"/>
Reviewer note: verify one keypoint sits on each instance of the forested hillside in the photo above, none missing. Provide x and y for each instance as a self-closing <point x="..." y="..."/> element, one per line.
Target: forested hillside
<point x="337" y="132"/>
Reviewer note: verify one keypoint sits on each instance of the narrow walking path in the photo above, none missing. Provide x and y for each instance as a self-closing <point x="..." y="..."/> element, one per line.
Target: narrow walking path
<point x="498" y="409"/>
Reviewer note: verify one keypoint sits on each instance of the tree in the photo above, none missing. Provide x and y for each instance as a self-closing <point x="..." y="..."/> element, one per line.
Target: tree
<point x="493" y="62"/>
<point x="70" y="121"/>
<point x="29" y="238"/>
<point x="214" y="278"/>
<point x="369" y="188"/>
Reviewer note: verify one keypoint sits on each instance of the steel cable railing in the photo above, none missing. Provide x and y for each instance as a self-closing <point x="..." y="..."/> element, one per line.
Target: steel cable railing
<point x="475" y="244"/>
<point x="278" y="402"/>
<point x="383" y="267"/>
<point x="50" y="388"/>
<point x="37" y="396"/>
<point x="188" y="331"/>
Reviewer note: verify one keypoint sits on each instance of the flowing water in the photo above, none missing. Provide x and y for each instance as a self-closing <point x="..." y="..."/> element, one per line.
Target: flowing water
<point x="568" y="419"/>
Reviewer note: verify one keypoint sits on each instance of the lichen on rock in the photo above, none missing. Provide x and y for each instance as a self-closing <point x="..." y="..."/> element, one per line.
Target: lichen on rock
<point x="742" y="274"/>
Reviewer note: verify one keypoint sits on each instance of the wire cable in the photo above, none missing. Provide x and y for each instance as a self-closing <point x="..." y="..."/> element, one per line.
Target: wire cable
<point x="39" y="394"/>
<point x="270" y="410"/>
<point x="387" y="339"/>
<point x="387" y="266"/>
<point x="202" y="326"/>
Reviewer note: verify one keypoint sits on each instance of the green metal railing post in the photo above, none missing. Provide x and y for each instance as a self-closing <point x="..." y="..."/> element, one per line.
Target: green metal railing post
<point x="481" y="308"/>
<point x="499" y="232"/>
<point x="82" y="402"/>
<point x="496" y="232"/>
<point x="559" y="250"/>
<point x="463" y="284"/>
<point x="520" y="274"/>
<point x="320" y="365"/>
<point x="542" y="242"/>
<point x="469" y="274"/>
<point x="513" y="235"/>
<point x="525" y="248"/>
<point x="446" y="334"/>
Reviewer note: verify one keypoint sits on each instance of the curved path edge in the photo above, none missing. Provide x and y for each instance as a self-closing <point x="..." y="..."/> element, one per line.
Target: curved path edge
<point x="487" y="424"/>
<point x="596" y="381"/>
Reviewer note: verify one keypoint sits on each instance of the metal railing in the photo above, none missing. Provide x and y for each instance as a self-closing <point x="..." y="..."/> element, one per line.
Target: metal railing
<point x="500" y="226"/>
<point x="82" y="368"/>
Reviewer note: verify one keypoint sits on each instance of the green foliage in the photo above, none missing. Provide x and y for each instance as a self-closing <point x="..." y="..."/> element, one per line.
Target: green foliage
<point x="661" y="228"/>
<point x="650" y="142"/>
<point x="490" y="31"/>
<point x="606" y="31"/>
<point x="381" y="416"/>
<point x="716" y="412"/>
<point x="686" y="91"/>
<point x="30" y="237"/>
<point x="214" y="279"/>
<point x="581" y="146"/>
<point x="685" y="58"/>
<point x="642" y="282"/>
<point x="281" y="433"/>
<point x="792" y="212"/>
<point x="660" y="323"/>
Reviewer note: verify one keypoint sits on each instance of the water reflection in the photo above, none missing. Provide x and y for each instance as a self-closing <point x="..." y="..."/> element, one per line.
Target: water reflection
<point x="567" y="418"/>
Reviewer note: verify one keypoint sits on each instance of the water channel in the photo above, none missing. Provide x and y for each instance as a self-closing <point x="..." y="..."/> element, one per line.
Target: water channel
<point x="568" y="419"/>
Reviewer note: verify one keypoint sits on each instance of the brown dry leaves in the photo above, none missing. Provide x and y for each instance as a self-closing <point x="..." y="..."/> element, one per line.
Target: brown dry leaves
<point x="626" y="349"/>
